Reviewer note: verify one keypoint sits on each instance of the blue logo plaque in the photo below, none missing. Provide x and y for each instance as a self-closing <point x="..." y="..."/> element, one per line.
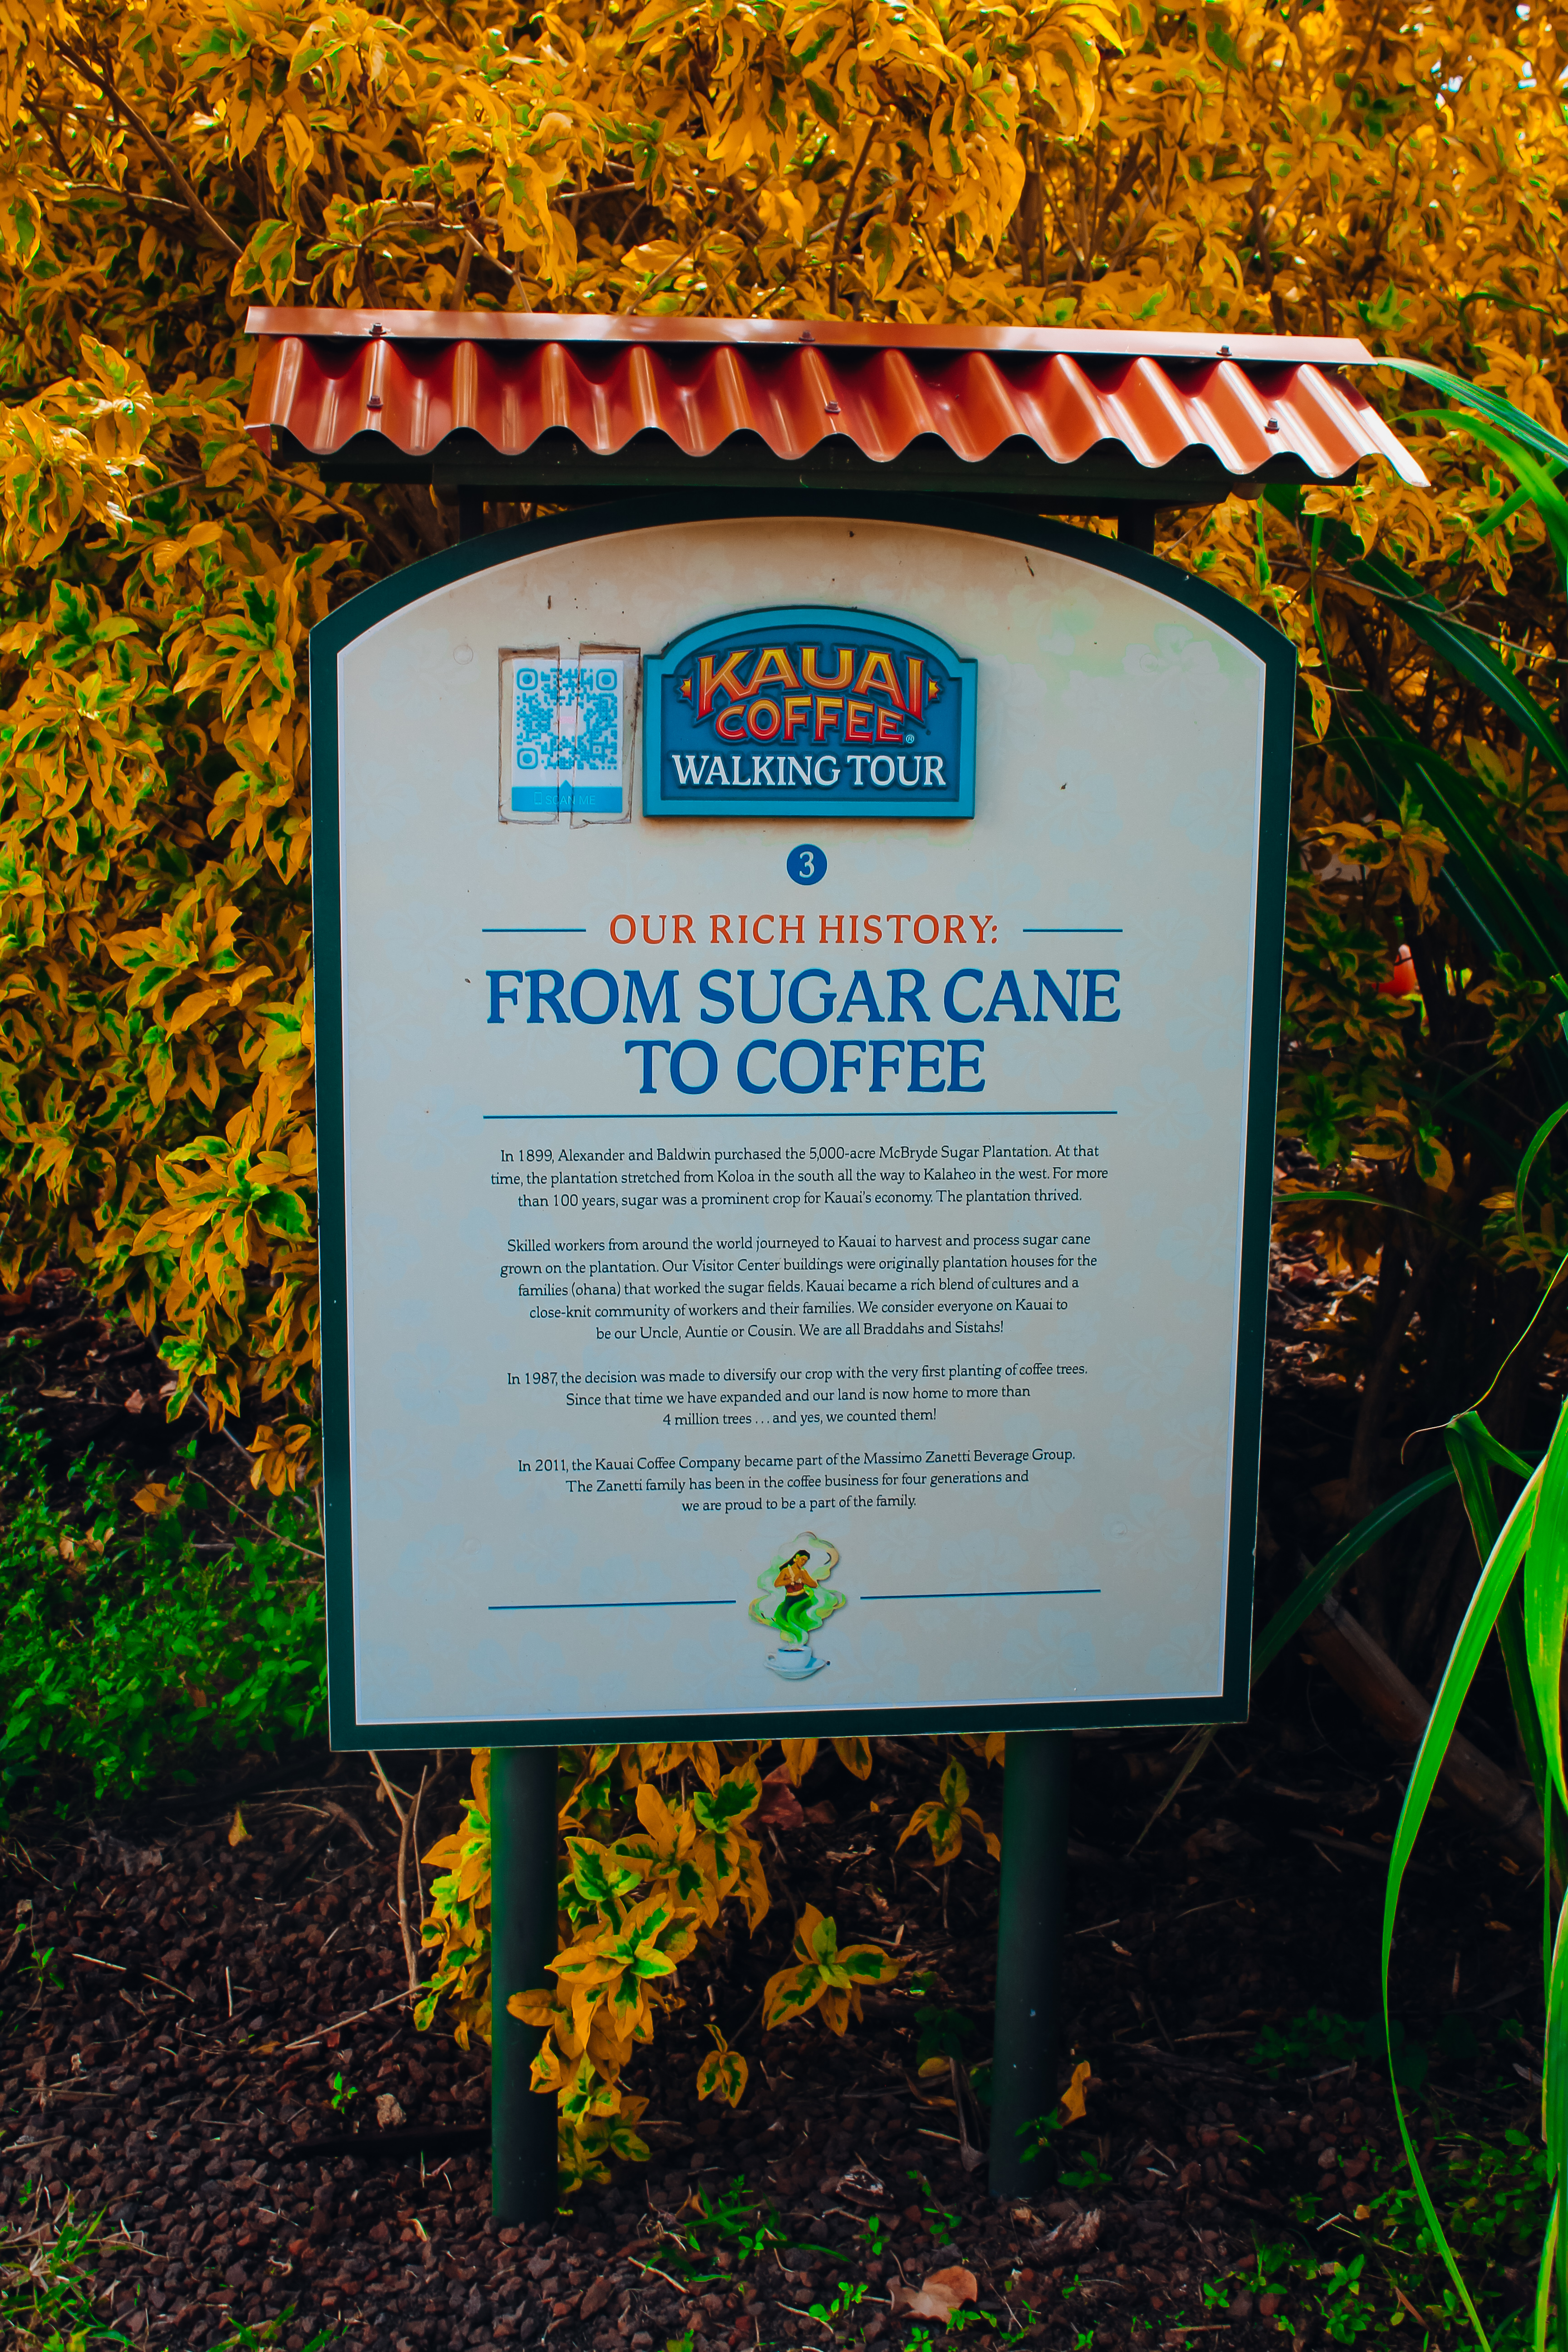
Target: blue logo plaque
<point x="809" y="710"/>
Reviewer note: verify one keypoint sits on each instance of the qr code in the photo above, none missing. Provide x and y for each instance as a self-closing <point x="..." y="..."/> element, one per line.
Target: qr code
<point x="536" y="722"/>
<point x="597" y="689"/>
<point x="568" y="741"/>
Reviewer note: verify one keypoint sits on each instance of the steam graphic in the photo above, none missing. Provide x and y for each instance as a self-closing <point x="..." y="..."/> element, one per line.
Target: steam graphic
<point x="796" y="1605"/>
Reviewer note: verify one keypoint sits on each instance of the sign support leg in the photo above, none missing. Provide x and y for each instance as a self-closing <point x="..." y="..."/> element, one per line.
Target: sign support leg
<point x="522" y="1941"/>
<point x="1036" y="1783"/>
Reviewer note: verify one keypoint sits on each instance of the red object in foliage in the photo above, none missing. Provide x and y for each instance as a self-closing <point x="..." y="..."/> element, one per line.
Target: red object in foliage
<point x="1402" y="980"/>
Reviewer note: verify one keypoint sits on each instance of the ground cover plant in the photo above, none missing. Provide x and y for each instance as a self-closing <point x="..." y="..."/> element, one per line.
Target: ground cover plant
<point x="134" y="1636"/>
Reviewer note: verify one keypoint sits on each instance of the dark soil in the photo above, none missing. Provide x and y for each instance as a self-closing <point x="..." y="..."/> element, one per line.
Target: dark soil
<point x="176" y="2063"/>
<point x="89" y="1376"/>
<point x="90" y="1380"/>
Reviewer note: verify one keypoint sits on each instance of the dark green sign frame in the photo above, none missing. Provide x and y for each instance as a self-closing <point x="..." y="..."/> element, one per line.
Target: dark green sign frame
<point x="364" y="612"/>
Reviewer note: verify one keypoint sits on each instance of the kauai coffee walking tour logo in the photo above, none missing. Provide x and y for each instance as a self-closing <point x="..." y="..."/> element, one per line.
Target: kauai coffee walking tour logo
<point x="794" y="1603"/>
<point x="806" y="709"/>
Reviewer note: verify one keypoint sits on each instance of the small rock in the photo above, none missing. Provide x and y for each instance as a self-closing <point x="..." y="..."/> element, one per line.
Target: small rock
<point x="388" y="2114"/>
<point x="595" y="2297"/>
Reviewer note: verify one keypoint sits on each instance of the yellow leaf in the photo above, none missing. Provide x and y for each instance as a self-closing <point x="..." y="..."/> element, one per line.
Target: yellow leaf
<point x="237" y="1833"/>
<point x="1073" y="2099"/>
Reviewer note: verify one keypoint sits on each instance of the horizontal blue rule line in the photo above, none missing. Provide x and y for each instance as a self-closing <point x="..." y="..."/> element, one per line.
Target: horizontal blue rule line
<point x="657" y="1116"/>
<point x="509" y="1608"/>
<point x="1026" y="1592"/>
<point x="1073" y="931"/>
<point x="534" y="931"/>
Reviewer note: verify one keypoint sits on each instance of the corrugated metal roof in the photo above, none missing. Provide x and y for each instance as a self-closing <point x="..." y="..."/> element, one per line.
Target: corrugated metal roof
<point x="357" y="388"/>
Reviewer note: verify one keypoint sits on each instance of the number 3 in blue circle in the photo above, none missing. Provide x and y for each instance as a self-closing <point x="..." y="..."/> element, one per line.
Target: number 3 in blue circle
<point x="806" y="864"/>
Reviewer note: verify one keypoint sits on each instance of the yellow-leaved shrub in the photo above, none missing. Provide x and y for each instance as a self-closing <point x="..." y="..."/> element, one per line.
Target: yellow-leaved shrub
<point x="1228" y="165"/>
<point x="658" y="1841"/>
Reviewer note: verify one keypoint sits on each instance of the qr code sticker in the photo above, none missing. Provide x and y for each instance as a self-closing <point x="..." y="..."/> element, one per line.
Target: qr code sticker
<point x="604" y="682"/>
<point x="536" y="718"/>
<point x="598" y="750"/>
<point x="566" y="738"/>
<point x="530" y="737"/>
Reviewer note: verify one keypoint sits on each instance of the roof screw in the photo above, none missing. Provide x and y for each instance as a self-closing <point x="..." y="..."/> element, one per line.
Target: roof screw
<point x="377" y="329"/>
<point x="831" y="408"/>
<point x="1225" y="351"/>
<point x="375" y="400"/>
<point x="1272" y="425"/>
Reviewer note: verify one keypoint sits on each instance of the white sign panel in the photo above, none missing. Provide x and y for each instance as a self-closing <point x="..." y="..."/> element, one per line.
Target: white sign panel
<point x="799" y="994"/>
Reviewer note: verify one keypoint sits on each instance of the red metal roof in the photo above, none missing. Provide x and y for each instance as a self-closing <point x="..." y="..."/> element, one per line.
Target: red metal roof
<point x="414" y="378"/>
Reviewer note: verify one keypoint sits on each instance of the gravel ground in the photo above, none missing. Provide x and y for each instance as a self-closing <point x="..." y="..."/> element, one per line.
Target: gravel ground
<point x="176" y="2063"/>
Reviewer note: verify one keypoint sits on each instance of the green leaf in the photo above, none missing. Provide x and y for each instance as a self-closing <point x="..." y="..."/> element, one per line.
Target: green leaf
<point x="1471" y="1449"/>
<point x="1545" y="1603"/>
<point x="1536" y="484"/>
<point x="1497" y="1577"/>
<point x="1534" y="1146"/>
<point x="1486" y="404"/>
<point x="1293" y="1613"/>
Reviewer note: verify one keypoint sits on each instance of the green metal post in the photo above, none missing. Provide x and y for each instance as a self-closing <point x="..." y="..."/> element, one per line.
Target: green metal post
<point x="1028" y="1951"/>
<point x="522" y="1941"/>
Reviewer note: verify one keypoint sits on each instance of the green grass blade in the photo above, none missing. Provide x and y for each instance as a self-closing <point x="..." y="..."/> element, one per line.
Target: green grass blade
<point x="1504" y="514"/>
<point x="1461" y="648"/>
<point x="1357" y="1199"/>
<point x="1545" y="1602"/>
<point x="1472" y="1449"/>
<point x="1492" y="860"/>
<point x="1548" y="2264"/>
<point x="1497" y="1577"/>
<point x="1495" y="1450"/>
<point x="1554" y="2070"/>
<point x="1195" y="1757"/>
<point x="1466" y="1439"/>
<point x="1513" y="1641"/>
<point x="1531" y="1150"/>
<point x="1486" y="404"/>
<point x="1492" y="889"/>
<point x="1536" y="483"/>
<point x="1293" y="1613"/>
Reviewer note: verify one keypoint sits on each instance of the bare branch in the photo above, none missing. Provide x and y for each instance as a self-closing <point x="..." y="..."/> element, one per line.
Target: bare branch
<point x="90" y="73"/>
<point x="844" y="219"/>
<point x="407" y="1817"/>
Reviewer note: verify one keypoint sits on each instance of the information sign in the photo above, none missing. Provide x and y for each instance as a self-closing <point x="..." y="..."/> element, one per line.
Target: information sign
<point x="798" y="1003"/>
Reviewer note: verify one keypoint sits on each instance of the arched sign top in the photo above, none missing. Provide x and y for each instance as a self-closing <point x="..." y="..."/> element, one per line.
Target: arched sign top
<point x="809" y="710"/>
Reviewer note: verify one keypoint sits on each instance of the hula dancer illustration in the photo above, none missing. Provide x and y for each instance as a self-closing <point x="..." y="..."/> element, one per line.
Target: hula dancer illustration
<point x="796" y="1605"/>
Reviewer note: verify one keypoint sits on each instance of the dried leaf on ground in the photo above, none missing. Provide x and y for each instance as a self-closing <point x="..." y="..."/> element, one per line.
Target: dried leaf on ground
<point x="937" y="2298"/>
<point x="781" y="1809"/>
